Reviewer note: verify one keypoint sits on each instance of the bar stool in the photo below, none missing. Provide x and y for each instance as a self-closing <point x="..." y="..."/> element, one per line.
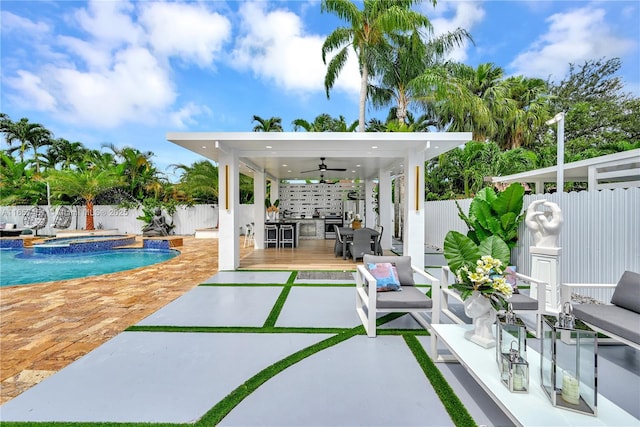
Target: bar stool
<point x="271" y="235"/>
<point x="286" y="235"/>
<point x="249" y="236"/>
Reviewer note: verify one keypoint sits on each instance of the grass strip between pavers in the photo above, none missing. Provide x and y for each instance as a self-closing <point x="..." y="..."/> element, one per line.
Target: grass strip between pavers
<point x="456" y="410"/>
<point x="277" y="307"/>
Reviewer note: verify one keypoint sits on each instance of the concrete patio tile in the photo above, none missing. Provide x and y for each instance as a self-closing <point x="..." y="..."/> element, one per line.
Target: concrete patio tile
<point x="385" y="387"/>
<point x="218" y="306"/>
<point x="320" y="307"/>
<point x="153" y="377"/>
<point x="241" y="277"/>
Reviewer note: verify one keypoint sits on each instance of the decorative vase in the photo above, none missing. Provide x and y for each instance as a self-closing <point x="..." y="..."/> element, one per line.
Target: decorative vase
<point x="479" y="308"/>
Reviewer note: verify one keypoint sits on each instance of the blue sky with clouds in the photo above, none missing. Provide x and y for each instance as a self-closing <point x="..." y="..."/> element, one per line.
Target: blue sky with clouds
<point x="128" y="72"/>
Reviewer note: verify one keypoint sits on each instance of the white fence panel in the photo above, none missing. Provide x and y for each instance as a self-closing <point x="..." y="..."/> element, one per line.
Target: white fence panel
<point x="600" y="237"/>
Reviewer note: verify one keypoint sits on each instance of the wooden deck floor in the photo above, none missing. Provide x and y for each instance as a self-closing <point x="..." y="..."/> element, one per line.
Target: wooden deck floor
<point x="309" y="255"/>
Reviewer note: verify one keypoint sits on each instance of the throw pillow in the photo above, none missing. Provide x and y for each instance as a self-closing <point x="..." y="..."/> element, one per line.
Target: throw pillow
<point x="386" y="276"/>
<point x="510" y="277"/>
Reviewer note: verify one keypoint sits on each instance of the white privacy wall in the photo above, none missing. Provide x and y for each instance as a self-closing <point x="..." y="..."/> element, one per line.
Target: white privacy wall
<point x="600" y="237"/>
<point x="186" y="219"/>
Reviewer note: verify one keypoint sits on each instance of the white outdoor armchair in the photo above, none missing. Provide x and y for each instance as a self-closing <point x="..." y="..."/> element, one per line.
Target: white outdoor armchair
<point x="411" y="299"/>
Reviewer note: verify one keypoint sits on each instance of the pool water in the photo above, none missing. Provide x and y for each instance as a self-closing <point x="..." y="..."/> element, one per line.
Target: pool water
<point x="19" y="267"/>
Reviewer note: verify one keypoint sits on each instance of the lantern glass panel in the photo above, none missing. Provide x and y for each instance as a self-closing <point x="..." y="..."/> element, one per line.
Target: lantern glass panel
<point x="568" y="365"/>
<point x="515" y="374"/>
<point x="509" y="332"/>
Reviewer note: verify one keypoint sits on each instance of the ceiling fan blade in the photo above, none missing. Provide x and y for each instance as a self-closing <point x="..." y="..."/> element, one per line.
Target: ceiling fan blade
<point x="312" y="170"/>
<point x="336" y="169"/>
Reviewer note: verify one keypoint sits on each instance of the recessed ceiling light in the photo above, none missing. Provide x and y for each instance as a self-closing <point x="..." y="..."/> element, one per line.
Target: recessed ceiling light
<point x="268" y="146"/>
<point x="374" y="146"/>
<point x="289" y="171"/>
<point x="353" y="171"/>
<point x="357" y="166"/>
<point x="204" y="146"/>
<point x="285" y="165"/>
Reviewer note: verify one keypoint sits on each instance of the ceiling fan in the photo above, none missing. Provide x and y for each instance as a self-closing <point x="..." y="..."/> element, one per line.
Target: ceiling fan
<point x="323" y="181"/>
<point x="322" y="167"/>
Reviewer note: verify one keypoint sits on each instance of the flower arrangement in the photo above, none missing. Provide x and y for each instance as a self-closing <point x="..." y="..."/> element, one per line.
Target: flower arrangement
<point x="272" y="208"/>
<point x="487" y="278"/>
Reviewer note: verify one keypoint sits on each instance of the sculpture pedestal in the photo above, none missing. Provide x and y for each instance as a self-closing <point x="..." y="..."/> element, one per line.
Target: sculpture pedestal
<point x="545" y="267"/>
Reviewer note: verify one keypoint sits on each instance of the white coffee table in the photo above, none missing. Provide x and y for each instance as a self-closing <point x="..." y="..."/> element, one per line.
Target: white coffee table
<point x="525" y="409"/>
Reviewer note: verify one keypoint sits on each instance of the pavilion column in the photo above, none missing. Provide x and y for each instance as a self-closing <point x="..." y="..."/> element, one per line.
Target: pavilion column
<point x="259" y="210"/>
<point x="369" y="213"/>
<point x="413" y="235"/>
<point x="385" y="208"/>
<point x="229" y="223"/>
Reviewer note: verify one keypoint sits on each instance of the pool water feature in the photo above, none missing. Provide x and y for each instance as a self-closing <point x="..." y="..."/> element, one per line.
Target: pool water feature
<point x="80" y="244"/>
<point x="26" y="266"/>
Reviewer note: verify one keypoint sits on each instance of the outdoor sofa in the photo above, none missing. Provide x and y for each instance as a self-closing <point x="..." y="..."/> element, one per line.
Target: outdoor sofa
<point x="620" y="319"/>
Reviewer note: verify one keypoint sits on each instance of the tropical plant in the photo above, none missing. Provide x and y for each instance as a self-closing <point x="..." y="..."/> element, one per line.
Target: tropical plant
<point x="85" y="183"/>
<point x="367" y="33"/>
<point x="492" y="214"/>
<point x="273" y="124"/>
<point x="64" y="153"/>
<point x="18" y="185"/>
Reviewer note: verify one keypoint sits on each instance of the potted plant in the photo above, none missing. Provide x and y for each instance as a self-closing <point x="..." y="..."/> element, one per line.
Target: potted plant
<point x="492" y="214"/>
<point x="272" y="209"/>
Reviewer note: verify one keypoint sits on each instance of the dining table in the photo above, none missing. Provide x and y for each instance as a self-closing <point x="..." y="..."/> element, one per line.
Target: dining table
<point x="347" y="235"/>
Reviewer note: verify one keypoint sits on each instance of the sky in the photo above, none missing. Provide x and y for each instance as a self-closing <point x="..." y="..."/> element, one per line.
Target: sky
<point x="128" y="72"/>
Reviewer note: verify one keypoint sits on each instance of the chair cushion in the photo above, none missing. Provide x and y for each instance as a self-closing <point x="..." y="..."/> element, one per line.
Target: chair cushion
<point x="619" y="321"/>
<point x="402" y="263"/>
<point x="627" y="293"/>
<point x="410" y="297"/>
<point x="386" y="276"/>
<point x="523" y="302"/>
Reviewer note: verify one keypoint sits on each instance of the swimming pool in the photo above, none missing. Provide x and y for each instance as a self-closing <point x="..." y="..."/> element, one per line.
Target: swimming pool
<point x="19" y="267"/>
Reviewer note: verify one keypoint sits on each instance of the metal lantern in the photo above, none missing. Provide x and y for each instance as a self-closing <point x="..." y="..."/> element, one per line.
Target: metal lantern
<point x="510" y="328"/>
<point x="514" y="371"/>
<point x="568" y="362"/>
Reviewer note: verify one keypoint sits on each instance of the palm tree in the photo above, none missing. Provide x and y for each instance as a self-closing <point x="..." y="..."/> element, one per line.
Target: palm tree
<point x="27" y="135"/>
<point x="86" y="183"/>
<point x="199" y="181"/>
<point x="408" y="58"/>
<point x="367" y="33"/>
<point x="64" y="153"/>
<point x="529" y="112"/>
<point x="474" y="98"/>
<point x="325" y="123"/>
<point x="273" y="124"/>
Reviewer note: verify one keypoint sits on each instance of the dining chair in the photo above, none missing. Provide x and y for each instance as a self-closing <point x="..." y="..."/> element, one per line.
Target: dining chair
<point x="337" y="247"/>
<point x="361" y="243"/>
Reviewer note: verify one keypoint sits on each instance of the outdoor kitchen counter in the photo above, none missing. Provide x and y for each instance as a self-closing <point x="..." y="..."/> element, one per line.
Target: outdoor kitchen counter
<point x="310" y="228"/>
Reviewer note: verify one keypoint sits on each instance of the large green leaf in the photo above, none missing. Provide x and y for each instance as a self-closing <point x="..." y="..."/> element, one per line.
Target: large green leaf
<point x="487" y="194"/>
<point x="481" y="210"/>
<point x="510" y="200"/>
<point x="496" y="247"/>
<point x="459" y="250"/>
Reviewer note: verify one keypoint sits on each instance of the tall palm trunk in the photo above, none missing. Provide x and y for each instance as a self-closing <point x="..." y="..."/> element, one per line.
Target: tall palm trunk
<point x="89" y="216"/>
<point x="363" y="96"/>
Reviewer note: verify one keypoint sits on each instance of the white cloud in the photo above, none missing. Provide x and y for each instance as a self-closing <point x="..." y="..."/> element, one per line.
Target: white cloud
<point x="109" y="23"/>
<point x="184" y="116"/>
<point x="14" y="23"/>
<point x="573" y="37"/>
<point x="32" y="91"/>
<point x="451" y="15"/>
<point x="134" y="89"/>
<point x="275" y="47"/>
<point x="186" y="31"/>
<point x="114" y="71"/>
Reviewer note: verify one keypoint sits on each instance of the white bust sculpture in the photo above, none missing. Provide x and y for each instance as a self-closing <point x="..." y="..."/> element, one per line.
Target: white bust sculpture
<point x="544" y="225"/>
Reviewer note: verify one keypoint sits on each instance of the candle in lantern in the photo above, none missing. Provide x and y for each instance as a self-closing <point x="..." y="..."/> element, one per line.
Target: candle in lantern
<point x="570" y="389"/>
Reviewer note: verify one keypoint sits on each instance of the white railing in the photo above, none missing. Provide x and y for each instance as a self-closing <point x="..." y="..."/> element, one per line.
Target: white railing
<point x="600" y="237"/>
